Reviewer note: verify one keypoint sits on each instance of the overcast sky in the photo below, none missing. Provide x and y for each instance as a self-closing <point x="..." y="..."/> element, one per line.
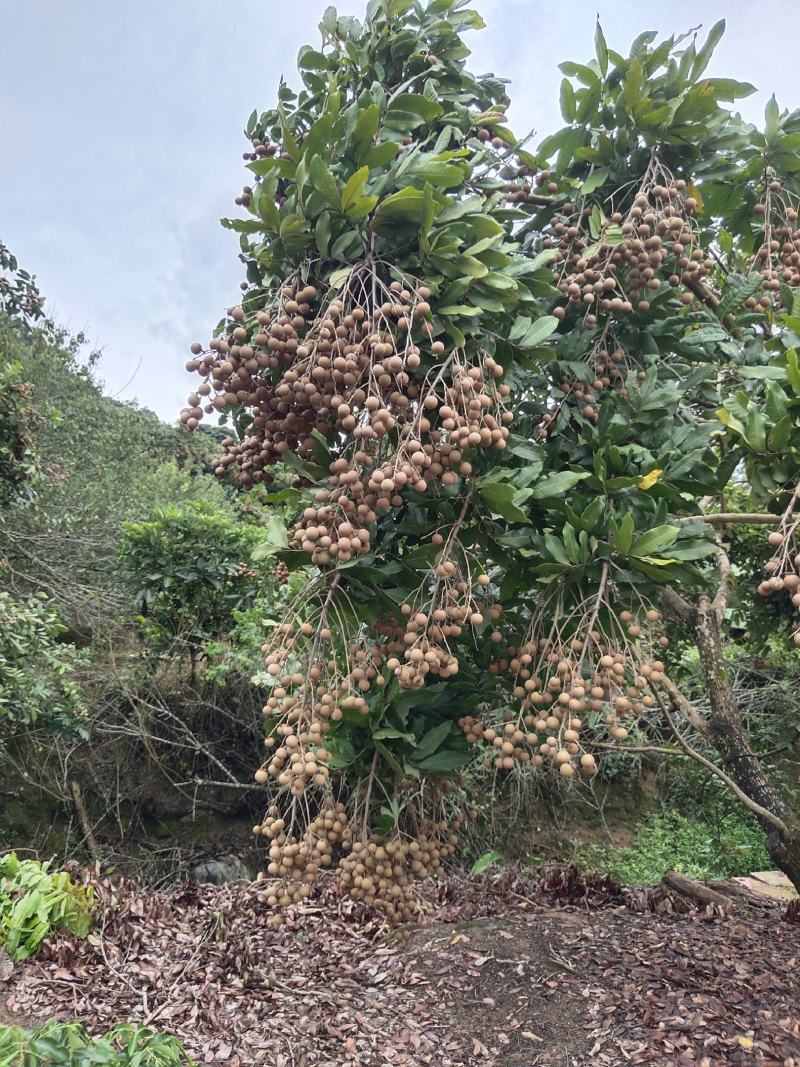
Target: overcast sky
<point x="121" y="124"/>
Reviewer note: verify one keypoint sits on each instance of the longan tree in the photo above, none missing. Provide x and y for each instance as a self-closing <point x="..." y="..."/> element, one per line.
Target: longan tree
<point x="512" y="389"/>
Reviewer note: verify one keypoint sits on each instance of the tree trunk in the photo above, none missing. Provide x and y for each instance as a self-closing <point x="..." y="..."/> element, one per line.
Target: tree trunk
<point x="725" y="732"/>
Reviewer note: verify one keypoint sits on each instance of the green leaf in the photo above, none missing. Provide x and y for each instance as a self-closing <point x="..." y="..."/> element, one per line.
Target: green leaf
<point x="704" y="55"/>
<point x="289" y="142"/>
<point x="428" y="744"/>
<point x="500" y="499"/>
<point x="484" y="862"/>
<point x="780" y="434"/>
<point x="527" y="333"/>
<point x="277" y="539"/>
<point x="322" y="233"/>
<point x="440" y="174"/>
<point x="793" y="370"/>
<point x="593" y="513"/>
<point x="404" y="206"/>
<point x="354" y="187"/>
<point x="283" y="168"/>
<point x="365" y="129"/>
<point x="555" y="549"/>
<point x="381" y="154"/>
<point x="771" y="120"/>
<point x="597" y="178"/>
<point x="623" y="536"/>
<point x="242" y="225"/>
<point x="309" y="59"/>
<point x="601" y="49"/>
<point x="339" y="277"/>
<point x="455" y="310"/>
<point x="727" y="88"/>
<point x="361" y="207"/>
<point x="324" y="182"/>
<point x="567" y="100"/>
<point x="557" y="484"/>
<point x="294" y="234"/>
<point x="633" y="84"/>
<point x="409" y="110"/>
<point x="318" y="138"/>
<point x="445" y="761"/>
<point x="654" y="539"/>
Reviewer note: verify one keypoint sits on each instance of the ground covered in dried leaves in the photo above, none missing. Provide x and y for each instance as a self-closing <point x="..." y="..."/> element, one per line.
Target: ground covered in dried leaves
<point x="504" y="972"/>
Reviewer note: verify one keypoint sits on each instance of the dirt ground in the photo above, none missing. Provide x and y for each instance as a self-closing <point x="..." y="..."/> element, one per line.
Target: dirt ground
<point x="505" y="974"/>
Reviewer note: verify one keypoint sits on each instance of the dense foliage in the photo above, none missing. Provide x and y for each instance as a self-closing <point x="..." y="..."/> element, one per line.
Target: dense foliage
<point x="670" y="841"/>
<point x="18" y="423"/>
<point x="510" y="391"/>
<point x="189" y="568"/>
<point x="36" y="670"/>
<point x="20" y="298"/>
<point x="35" y="902"/>
<point x="69" y="1045"/>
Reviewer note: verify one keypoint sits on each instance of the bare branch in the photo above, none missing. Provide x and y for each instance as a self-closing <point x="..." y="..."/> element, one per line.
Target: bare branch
<point x="639" y="750"/>
<point x="720" y="601"/>
<point x="676" y="607"/>
<point x="692" y="753"/>
<point x="702" y="292"/>
<point x="734" y="518"/>
<point x="686" y="706"/>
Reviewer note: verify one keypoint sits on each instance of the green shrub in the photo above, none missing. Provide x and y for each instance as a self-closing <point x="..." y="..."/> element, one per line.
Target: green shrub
<point x="188" y="567"/>
<point x="68" y="1045"/>
<point x="36" y="670"/>
<point x="670" y="841"/>
<point x="35" y="902"/>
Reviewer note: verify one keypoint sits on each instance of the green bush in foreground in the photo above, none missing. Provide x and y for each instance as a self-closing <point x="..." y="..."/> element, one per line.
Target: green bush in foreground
<point x="35" y="902"/>
<point x="670" y="841"/>
<point x="69" y="1044"/>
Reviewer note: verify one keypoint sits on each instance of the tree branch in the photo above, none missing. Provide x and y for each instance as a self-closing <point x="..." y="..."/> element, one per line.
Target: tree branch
<point x="675" y="606"/>
<point x="725" y="518"/>
<point x="702" y="292"/>
<point x="692" y="753"/>
<point x="686" y="706"/>
<point x="720" y="601"/>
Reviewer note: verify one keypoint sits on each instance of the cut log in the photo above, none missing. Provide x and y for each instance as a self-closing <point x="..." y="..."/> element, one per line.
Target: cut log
<point x="729" y="895"/>
<point x="694" y="890"/>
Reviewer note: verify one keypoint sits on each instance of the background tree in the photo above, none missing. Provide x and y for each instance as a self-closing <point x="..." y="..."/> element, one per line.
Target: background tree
<point x="417" y="283"/>
<point x="189" y="568"/>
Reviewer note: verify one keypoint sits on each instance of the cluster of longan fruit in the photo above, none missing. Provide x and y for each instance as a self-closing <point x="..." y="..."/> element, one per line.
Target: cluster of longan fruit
<point x="657" y="241"/>
<point x="559" y="682"/>
<point x="296" y="862"/>
<point x="520" y="191"/>
<point x="610" y="364"/>
<point x="352" y="369"/>
<point x="236" y="366"/>
<point x="778" y="257"/>
<point x="432" y="439"/>
<point x="783" y="569"/>
<point x="381" y="871"/>
<point x="423" y="643"/>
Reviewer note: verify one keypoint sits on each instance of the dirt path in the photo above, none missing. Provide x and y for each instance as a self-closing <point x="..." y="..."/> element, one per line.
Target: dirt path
<point x="529" y="984"/>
